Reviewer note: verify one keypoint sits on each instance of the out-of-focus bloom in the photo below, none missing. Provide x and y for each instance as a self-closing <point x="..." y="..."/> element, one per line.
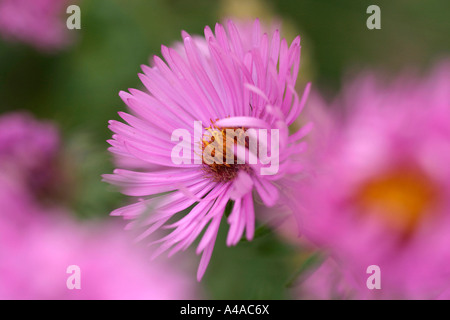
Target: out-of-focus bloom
<point x="380" y="193"/>
<point x="34" y="265"/>
<point x="28" y="152"/>
<point x="326" y="282"/>
<point x="35" y="255"/>
<point x="39" y="23"/>
<point x="25" y="141"/>
<point x="14" y="212"/>
<point x="39" y="242"/>
<point x="225" y="82"/>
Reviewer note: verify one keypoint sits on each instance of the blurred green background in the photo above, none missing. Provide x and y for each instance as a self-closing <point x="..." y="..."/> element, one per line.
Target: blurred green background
<point x="78" y="89"/>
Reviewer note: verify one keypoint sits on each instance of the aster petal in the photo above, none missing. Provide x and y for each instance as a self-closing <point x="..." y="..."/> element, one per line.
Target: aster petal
<point x="248" y="122"/>
<point x="298" y="107"/>
<point x="267" y="191"/>
<point x="250" y="215"/>
<point x="302" y="132"/>
<point x="236" y="224"/>
<point x="216" y="214"/>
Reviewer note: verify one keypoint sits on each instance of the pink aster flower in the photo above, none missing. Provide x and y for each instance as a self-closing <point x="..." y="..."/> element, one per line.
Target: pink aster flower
<point x="38" y="244"/>
<point x="28" y="151"/>
<point x="224" y="83"/>
<point x="380" y="193"/>
<point x="34" y="260"/>
<point x="39" y="23"/>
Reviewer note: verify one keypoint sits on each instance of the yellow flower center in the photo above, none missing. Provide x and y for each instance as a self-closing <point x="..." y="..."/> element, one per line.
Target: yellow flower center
<point x="402" y="197"/>
<point x="214" y="146"/>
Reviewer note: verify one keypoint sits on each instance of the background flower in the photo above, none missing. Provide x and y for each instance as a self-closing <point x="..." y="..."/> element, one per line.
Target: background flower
<point x="38" y="241"/>
<point x="29" y="152"/>
<point x="39" y="23"/>
<point x="324" y="282"/>
<point x="33" y="265"/>
<point x="380" y="194"/>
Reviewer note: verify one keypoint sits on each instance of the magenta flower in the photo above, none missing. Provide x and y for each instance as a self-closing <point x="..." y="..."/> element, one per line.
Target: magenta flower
<point x="38" y="243"/>
<point x="39" y="23"/>
<point x="327" y="282"/>
<point x="218" y="82"/>
<point x="34" y="261"/>
<point x="380" y="194"/>
<point x="28" y="152"/>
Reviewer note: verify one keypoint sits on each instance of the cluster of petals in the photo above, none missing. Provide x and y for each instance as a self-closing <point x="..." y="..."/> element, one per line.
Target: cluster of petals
<point x="38" y="243"/>
<point x="38" y="23"/>
<point x="237" y="77"/>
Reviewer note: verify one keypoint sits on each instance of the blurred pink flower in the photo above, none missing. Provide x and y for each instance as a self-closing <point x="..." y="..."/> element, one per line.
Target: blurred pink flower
<point x="28" y="152"/>
<point x="325" y="282"/>
<point x="39" y="23"/>
<point x="34" y="265"/>
<point x="38" y="243"/>
<point x="223" y="82"/>
<point x="380" y="189"/>
<point x="15" y="213"/>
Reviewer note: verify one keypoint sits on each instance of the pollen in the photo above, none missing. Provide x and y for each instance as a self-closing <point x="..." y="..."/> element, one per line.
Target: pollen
<point x="215" y="148"/>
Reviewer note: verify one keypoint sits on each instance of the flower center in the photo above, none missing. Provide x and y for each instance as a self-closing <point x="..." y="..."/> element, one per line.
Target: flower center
<point x="402" y="197"/>
<point x="219" y="148"/>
